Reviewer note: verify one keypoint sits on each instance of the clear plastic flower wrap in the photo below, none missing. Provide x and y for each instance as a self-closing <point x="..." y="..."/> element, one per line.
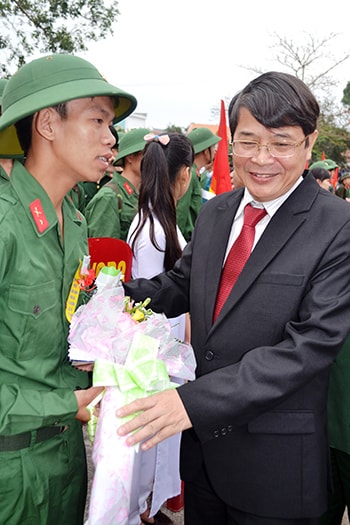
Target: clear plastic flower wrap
<point x="134" y="355"/>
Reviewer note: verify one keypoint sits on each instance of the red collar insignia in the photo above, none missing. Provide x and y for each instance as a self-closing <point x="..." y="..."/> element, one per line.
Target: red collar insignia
<point x="39" y="216"/>
<point x="128" y="188"/>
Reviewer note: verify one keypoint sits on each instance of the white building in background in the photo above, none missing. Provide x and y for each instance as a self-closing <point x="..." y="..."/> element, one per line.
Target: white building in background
<point x="135" y="120"/>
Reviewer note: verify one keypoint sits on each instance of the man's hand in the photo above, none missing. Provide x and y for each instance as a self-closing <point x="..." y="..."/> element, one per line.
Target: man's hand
<point x="84" y="398"/>
<point x="161" y="416"/>
<point x="83" y="366"/>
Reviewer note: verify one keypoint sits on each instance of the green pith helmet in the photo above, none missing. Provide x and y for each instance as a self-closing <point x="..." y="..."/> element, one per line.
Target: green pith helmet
<point x="344" y="176"/>
<point x="3" y="82"/>
<point x="331" y="164"/>
<point x="131" y="142"/>
<point x="49" y="81"/>
<point x="327" y="164"/>
<point x="202" y="138"/>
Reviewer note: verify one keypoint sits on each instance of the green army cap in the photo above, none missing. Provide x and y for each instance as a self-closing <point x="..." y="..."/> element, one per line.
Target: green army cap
<point x="49" y="81"/>
<point x="331" y="164"/>
<point x="327" y="164"/>
<point x="3" y="82"/>
<point x="344" y="176"/>
<point x="202" y="138"/>
<point x="131" y="142"/>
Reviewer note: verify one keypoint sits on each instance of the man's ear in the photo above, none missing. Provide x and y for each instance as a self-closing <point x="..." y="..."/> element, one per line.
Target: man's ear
<point x="312" y="140"/>
<point x="44" y="122"/>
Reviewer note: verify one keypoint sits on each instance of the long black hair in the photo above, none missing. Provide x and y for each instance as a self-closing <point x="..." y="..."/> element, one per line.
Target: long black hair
<point x="160" y="166"/>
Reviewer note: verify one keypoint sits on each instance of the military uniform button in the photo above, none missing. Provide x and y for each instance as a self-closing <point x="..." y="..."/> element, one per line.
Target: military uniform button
<point x="36" y="309"/>
<point x="224" y="431"/>
<point x="216" y="434"/>
<point x="229" y="428"/>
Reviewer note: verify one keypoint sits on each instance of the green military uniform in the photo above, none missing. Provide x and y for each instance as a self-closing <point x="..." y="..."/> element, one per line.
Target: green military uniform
<point x="339" y="437"/>
<point x="91" y="188"/>
<point x="188" y="206"/>
<point x="83" y="192"/>
<point x="77" y="195"/>
<point x="37" y="382"/>
<point x="4" y="178"/>
<point x="111" y="211"/>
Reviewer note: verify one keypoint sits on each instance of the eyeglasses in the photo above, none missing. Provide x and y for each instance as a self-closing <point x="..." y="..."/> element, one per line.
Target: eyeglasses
<point x="276" y="148"/>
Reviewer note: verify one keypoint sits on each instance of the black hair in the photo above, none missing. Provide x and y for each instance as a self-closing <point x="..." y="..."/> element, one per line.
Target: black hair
<point x="160" y="167"/>
<point x="277" y="100"/>
<point x="320" y="174"/>
<point x="24" y="132"/>
<point x="115" y="135"/>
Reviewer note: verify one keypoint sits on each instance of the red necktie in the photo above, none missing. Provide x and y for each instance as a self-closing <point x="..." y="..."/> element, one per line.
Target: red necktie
<point x="238" y="255"/>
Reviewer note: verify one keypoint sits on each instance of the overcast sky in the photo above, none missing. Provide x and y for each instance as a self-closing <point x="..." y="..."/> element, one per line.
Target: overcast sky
<point x="180" y="58"/>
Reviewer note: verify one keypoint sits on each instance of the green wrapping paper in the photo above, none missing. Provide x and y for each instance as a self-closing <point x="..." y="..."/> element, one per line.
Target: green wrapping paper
<point x="142" y="375"/>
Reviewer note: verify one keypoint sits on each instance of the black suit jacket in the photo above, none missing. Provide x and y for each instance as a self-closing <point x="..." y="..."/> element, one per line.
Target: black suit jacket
<point x="258" y="405"/>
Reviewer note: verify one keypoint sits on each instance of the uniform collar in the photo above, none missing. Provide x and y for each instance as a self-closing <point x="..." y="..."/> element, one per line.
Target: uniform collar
<point x="3" y="175"/>
<point x="36" y="202"/>
<point x="119" y="177"/>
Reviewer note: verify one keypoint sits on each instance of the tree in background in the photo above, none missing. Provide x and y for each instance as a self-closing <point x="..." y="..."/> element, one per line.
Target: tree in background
<point x="346" y="105"/>
<point x="346" y="96"/>
<point x="172" y="128"/>
<point x="311" y="59"/>
<point x="50" y="26"/>
<point x="215" y="110"/>
<point x="313" y="62"/>
<point x="332" y="140"/>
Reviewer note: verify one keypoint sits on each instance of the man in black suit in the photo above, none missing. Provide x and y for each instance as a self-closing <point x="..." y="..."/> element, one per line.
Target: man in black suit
<point x="254" y="445"/>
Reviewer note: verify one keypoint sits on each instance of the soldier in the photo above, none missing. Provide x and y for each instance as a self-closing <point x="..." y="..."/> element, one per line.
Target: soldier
<point x="187" y="208"/>
<point x="111" y="211"/>
<point x="61" y="108"/>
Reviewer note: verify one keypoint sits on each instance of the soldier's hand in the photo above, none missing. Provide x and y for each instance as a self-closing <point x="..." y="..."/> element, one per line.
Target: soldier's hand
<point x="84" y="398"/>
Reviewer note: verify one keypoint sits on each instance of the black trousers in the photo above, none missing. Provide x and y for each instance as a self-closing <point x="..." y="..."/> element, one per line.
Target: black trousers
<point x="204" y="507"/>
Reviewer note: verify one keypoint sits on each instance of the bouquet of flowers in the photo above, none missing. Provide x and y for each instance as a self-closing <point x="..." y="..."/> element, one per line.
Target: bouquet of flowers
<point x="134" y="355"/>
